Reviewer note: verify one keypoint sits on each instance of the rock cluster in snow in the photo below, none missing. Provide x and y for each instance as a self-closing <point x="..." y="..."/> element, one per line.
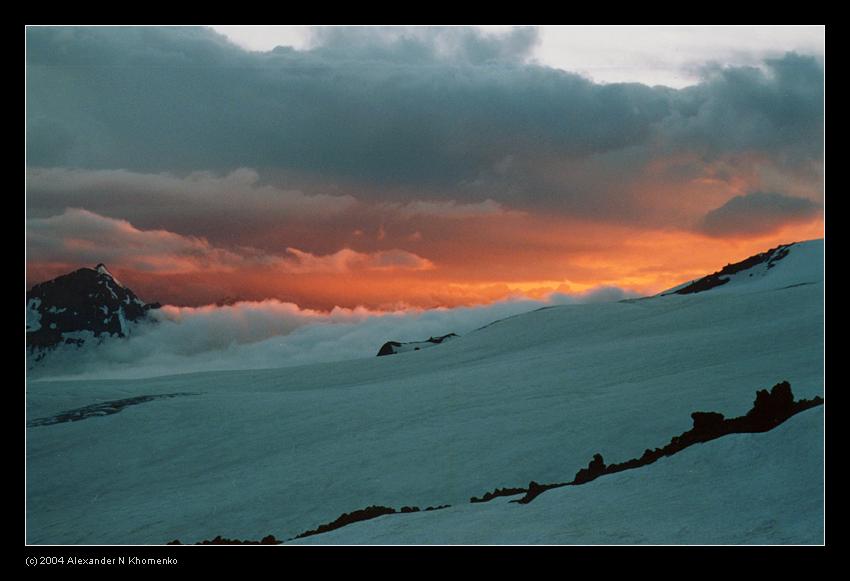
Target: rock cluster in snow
<point x="393" y="347"/>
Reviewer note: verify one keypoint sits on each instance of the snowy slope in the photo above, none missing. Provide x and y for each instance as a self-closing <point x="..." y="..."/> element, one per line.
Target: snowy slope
<point x="531" y="397"/>
<point x="801" y="263"/>
<point x="727" y="488"/>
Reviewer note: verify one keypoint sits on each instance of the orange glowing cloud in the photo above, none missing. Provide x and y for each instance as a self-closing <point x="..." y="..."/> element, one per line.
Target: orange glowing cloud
<point x="426" y="261"/>
<point x="347" y="260"/>
<point x="339" y="178"/>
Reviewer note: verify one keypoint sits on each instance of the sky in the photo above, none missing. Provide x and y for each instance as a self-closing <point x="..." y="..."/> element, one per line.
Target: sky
<point x="395" y="168"/>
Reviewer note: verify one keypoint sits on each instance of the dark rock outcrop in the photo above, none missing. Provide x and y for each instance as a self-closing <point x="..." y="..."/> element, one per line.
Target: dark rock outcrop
<point x="770" y="409"/>
<point x="595" y="469"/>
<point x="771" y="257"/>
<point x="388" y="348"/>
<point x="343" y="520"/>
<point x="497" y="492"/>
<point x="219" y="540"/>
<point x="393" y="347"/>
<point x="706" y="421"/>
<point x="347" y="518"/>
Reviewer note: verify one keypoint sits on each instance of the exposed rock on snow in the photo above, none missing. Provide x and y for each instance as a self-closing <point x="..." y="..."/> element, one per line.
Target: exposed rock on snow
<point x="769" y="410"/>
<point x="393" y="347"/>
<point x="595" y="469"/>
<point x="344" y="519"/>
<point x="746" y="489"/>
<point x="268" y="540"/>
<point x="507" y="491"/>
<point x="767" y="259"/>
<point x="348" y="518"/>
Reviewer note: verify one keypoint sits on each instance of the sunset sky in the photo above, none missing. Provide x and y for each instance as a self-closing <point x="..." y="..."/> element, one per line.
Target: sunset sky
<point x="417" y="167"/>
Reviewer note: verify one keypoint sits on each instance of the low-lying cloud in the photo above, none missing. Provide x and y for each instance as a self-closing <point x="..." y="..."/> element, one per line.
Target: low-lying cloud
<point x="271" y="334"/>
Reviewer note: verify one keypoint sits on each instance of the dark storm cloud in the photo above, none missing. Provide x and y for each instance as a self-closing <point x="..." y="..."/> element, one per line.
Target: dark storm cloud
<point x="757" y="213"/>
<point x="156" y="99"/>
<point x="406" y="113"/>
<point x="229" y="209"/>
<point x="777" y="110"/>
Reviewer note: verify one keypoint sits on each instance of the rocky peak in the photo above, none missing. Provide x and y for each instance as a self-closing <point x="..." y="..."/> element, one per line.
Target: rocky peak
<point x="84" y="304"/>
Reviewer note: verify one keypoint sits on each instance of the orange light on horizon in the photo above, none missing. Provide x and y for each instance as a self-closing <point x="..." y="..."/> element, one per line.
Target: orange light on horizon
<point x="508" y="256"/>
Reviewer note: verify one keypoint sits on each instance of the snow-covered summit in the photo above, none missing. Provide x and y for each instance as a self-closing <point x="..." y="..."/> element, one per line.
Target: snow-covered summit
<point x="85" y="304"/>
<point x="101" y="269"/>
<point x="786" y="265"/>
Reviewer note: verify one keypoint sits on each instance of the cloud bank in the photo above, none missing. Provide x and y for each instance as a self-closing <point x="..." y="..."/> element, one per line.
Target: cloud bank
<point x="82" y="236"/>
<point x="441" y="110"/>
<point x="271" y="334"/>
<point x="390" y="166"/>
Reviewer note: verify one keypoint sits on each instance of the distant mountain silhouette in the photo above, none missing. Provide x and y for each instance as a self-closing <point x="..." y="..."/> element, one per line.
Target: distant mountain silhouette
<point x="88" y="303"/>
